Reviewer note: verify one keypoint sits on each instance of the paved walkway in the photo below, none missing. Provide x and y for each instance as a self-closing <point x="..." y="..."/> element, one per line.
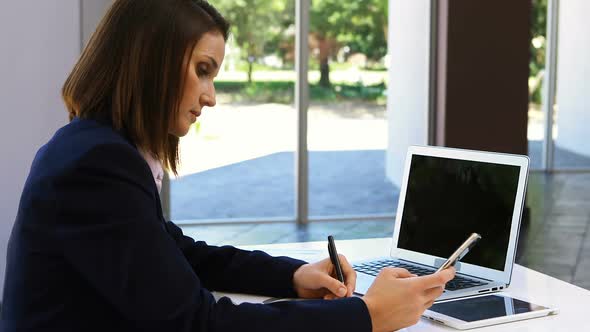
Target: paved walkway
<point x="340" y="183"/>
<point x="240" y="162"/>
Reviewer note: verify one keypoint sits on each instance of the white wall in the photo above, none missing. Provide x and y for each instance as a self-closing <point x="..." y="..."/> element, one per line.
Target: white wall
<point x="408" y="90"/>
<point x="92" y="11"/>
<point x="40" y="42"/>
<point x="573" y="73"/>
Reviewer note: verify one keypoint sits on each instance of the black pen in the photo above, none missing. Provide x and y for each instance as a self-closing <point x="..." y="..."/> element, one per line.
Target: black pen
<point x="334" y="258"/>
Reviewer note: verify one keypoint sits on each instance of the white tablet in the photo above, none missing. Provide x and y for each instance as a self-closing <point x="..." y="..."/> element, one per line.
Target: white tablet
<point x="472" y="312"/>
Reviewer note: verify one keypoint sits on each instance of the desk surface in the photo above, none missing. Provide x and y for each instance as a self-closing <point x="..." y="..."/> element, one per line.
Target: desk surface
<point x="573" y="302"/>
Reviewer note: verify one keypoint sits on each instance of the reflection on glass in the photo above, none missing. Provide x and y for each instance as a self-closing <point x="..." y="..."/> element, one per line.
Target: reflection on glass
<point x="536" y="117"/>
<point x="569" y="133"/>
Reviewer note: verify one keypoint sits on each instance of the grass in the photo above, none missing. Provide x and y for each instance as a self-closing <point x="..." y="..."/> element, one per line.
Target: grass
<point x="313" y="65"/>
<point x="283" y="91"/>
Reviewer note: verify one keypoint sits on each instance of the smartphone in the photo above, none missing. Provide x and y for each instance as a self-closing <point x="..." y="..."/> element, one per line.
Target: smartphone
<point x="461" y="251"/>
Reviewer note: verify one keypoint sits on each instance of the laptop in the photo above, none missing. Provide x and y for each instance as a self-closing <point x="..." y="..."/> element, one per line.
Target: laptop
<point x="447" y="194"/>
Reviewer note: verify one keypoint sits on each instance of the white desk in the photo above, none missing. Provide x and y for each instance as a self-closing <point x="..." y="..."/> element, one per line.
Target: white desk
<point x="572" y="301"/>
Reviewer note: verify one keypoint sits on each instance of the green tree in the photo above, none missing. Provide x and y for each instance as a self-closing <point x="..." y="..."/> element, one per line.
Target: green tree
<point x="539" y="32"/>
<point x="254" y="23"/>
<point x="360" y="25"/>
<point x="259" y="26"/>
<point x="537" y="47"/>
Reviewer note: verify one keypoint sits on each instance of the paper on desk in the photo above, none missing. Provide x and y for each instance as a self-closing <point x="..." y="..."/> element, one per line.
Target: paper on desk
<point x="238" y="298"/>
<point x="308" y="255"/>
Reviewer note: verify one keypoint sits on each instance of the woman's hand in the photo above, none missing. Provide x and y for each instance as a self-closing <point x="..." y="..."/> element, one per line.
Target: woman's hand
<point x="318" y="280"/>
<point x="397" y="299"/>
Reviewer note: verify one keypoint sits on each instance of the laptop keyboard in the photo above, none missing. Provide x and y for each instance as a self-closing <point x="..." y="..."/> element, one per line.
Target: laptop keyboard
<point x="373" y="268"/>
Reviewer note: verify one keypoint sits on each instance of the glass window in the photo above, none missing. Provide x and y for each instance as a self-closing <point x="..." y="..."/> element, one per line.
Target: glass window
<point x="237" y="160"/>
<point x="347" y="125"/>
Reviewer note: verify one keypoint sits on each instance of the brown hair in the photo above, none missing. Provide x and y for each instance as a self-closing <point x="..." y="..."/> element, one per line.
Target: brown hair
<point x="132" y="71"/>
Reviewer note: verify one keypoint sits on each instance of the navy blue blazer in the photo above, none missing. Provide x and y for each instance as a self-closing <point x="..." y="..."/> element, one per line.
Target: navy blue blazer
<point x="91" y="251"/>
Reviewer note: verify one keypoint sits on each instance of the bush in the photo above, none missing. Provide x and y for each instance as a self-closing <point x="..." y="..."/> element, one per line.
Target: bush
<point x="283" y="91"/>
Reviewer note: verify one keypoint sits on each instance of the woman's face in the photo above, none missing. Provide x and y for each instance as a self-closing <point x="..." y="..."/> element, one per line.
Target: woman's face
<point x="203" y="65"/>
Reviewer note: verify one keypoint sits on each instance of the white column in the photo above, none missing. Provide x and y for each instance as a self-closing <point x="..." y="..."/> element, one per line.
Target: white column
<point x="573" y="71"/>
<point x="408" y="90"/>
<point x="92" y="12"/>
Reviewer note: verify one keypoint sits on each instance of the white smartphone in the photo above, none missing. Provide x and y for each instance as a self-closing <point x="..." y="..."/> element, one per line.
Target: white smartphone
<point x="461" y="251"/>
<point x="485" y="310"/>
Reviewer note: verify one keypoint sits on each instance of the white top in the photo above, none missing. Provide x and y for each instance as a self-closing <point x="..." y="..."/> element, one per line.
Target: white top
<point x="155" y="167"/>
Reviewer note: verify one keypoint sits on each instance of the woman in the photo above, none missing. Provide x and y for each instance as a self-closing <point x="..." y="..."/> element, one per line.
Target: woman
<point x="90" y="249"/>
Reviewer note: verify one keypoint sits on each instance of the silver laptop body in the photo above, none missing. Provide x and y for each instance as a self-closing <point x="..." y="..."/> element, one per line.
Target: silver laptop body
<point x="447" y="194"/>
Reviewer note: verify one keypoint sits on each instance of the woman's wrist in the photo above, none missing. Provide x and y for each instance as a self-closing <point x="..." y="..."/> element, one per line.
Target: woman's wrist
<point x="296" y="279"/>
<point x="371" y="310"/>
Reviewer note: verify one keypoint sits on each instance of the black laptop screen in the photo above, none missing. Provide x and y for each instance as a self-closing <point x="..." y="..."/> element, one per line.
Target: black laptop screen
<point x="448" y="199"/>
